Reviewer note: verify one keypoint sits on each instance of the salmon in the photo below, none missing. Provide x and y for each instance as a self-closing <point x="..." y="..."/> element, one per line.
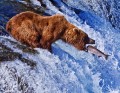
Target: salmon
<point x="97" y="52"/>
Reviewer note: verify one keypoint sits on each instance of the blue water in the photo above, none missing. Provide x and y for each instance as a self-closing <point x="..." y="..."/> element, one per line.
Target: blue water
<point x="74" y="71"/>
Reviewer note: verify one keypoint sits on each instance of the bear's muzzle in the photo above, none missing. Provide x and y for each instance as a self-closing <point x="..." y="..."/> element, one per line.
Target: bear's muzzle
<point x="91" y="41"/>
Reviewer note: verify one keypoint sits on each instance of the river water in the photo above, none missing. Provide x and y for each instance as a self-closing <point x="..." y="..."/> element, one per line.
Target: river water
<point x="67" y="70"/>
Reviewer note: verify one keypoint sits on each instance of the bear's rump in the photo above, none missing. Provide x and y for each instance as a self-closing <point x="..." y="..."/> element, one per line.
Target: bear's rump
<point x="26" y="33"/>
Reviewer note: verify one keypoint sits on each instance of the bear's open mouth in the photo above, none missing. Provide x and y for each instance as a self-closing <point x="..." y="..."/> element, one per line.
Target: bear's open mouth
<point x="86" y="47"/>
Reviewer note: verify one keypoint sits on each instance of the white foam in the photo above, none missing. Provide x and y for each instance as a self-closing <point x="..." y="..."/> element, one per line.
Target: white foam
<point x="96" y="79"/>
<point x="36" y="2"/>
<point x="114" y="91"/>
<point x="65" y="75"/>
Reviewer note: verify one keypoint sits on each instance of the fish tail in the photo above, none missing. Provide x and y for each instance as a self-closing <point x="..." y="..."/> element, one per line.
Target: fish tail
<point x="106" y="56"/>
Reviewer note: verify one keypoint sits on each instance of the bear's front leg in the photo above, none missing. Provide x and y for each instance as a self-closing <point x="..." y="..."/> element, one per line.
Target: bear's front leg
<point x="47" y="38"/>
<point x="45" y="45"/>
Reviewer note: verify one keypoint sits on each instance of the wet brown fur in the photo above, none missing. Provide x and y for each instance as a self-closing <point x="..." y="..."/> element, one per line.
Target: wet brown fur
<point x="41" y="31"/>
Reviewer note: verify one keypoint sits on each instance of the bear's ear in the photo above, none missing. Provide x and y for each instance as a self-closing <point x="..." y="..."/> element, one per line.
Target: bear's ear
<point x="76" y="30"/>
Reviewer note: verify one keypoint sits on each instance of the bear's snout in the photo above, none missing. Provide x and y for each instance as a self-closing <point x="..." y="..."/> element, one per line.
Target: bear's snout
<point x="91" y="41"/>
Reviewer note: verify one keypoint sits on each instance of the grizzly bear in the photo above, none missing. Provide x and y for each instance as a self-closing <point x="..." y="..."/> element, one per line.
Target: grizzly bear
<point x="41" y="31"/>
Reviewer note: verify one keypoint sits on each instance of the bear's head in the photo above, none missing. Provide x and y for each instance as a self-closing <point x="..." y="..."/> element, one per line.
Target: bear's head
<point x="78" y="38"/>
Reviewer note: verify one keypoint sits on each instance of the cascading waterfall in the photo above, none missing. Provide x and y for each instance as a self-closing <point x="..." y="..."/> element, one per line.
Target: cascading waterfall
<point x="67" y="70"/>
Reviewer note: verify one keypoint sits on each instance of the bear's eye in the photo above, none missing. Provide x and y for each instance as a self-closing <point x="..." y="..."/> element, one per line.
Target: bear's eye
<point x="86" y="39"/>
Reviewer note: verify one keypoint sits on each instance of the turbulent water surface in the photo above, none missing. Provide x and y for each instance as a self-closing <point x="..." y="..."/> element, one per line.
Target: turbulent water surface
<point x="67" y="70"/>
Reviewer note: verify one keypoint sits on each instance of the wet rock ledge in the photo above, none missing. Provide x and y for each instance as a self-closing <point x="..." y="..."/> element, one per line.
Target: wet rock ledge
<point x="7" y="52"/>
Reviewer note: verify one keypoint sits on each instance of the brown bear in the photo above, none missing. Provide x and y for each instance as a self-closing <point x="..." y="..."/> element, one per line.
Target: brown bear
<point x="41" y="31"/>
